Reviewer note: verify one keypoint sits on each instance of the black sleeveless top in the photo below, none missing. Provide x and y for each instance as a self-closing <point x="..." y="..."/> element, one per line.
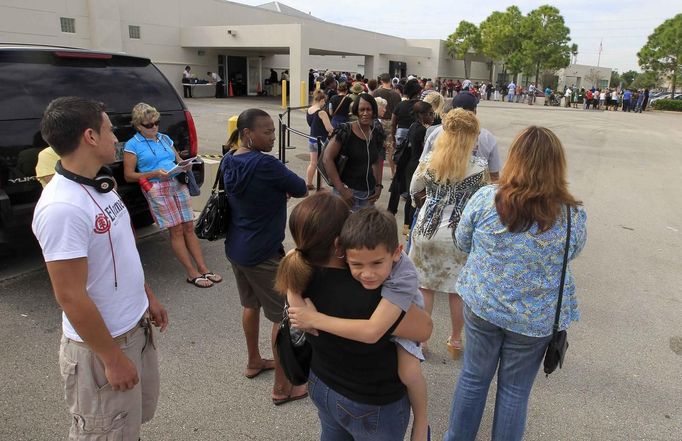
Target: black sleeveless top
<point x="317" y="128"/>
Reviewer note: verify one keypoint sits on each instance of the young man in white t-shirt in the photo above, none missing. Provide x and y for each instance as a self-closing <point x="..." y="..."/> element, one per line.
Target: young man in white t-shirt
<point x="107" y="356"/>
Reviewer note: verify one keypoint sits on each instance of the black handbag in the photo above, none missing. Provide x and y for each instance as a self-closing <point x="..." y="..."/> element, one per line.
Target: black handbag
<point x="343" y="132"/>
<point x="556" y="349"/>
<point x="213" y="222"/>
<point x="294" y="352"/>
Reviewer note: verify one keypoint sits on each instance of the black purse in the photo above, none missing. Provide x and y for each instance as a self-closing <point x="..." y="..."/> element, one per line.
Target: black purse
<point x="556" y="349"/>
<point x="294" y="352"/>
<point x="213" y="222"/>
<point x="343" y="132"/>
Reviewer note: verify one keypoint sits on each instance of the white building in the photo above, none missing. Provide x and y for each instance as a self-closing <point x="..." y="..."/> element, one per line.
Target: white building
<point x="583" y="76"/>
<point x="242" y="43"/>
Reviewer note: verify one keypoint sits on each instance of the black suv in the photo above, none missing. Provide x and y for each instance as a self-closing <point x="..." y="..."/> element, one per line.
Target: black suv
<point x="32" y="76"/>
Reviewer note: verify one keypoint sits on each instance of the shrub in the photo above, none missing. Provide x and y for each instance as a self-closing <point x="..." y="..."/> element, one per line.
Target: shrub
<point x="666" y="104"/>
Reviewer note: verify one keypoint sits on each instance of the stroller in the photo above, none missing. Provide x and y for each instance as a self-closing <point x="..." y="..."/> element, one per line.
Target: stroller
<point x="554" y="100"/>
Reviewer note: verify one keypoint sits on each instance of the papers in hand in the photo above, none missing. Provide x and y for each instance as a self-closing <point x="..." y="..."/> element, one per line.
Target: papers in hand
<point x="184" y="165"/>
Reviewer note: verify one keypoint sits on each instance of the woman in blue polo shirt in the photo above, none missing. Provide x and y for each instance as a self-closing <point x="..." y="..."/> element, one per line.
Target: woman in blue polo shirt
<point x="150" y="155"/>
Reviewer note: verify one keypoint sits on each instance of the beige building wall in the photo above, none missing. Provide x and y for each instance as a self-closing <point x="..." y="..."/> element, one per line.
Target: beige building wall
<point x="583" y="76"/>
<point x="174" y="33"/>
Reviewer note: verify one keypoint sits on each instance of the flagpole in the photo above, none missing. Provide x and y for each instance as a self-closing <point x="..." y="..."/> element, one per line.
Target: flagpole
<point x="600" y="48"/>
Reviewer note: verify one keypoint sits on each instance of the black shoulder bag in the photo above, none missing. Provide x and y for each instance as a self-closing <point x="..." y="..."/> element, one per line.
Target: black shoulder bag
<point x="556" y="349"/>
<point x="343" y="132"/>
<point x="294" y="351"/>
<point x="213" y="222"/>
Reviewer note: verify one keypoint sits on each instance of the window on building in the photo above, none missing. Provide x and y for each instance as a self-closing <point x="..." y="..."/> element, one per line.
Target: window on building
<point x="134" y="32"/>
<point x="68" y="24"/>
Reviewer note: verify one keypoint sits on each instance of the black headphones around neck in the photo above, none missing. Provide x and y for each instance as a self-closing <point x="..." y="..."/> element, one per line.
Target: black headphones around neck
<point x="104" y="182"/>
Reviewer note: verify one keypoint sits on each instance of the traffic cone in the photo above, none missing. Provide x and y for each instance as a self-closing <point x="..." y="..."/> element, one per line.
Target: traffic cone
<point x="229" y="90"/>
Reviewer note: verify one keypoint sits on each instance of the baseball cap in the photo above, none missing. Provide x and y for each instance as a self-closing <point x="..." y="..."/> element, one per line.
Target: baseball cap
<point x="465" y="100"/>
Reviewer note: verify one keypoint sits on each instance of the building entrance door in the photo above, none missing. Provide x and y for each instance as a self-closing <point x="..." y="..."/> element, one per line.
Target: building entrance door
<point x="237" y="74"/>
<point x="397" y="69"/>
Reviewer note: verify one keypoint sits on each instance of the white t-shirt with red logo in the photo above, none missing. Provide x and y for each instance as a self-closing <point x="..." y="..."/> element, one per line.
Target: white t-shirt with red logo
<point x="72" y="221"/>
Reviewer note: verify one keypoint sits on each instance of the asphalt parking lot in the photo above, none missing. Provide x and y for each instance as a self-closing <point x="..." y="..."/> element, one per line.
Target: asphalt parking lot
<point x="622" y="379"/>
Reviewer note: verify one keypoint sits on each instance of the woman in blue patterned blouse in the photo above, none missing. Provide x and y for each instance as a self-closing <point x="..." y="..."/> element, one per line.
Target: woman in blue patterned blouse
<point x="515" y="233"/>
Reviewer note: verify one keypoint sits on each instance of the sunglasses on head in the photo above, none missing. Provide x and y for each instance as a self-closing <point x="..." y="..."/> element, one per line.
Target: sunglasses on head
<point x="150" y="125"/>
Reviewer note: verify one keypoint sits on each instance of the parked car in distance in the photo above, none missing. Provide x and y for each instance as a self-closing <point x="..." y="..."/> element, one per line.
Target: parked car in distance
<point x="32" y="76"/>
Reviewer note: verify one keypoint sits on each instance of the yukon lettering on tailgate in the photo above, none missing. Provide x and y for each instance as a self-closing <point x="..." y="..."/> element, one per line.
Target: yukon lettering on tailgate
<point x="20" y="180"/>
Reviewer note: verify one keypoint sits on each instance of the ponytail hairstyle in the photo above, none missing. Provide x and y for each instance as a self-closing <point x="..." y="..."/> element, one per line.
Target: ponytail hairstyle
<point x="246" y="120"/>
<point x="315" y="223"/>
<point x="319" y="95"/>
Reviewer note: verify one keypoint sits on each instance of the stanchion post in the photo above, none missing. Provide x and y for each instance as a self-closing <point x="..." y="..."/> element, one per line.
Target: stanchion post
<point x="279" y="138"/>
<point x="288" y="125"/>
<point x="317" y="172"/>
<point x="283" y="138"/>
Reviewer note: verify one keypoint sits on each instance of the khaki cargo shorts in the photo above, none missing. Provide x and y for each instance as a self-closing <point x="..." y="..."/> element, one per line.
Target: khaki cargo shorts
<point x="97" y="411"/>
<point x="256" y="286"/>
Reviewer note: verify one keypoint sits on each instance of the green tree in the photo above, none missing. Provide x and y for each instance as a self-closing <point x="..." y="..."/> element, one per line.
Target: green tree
<point x="647" y="80"/>
<point x="545" y="40"/>
<point x="628" y="77"/>
<point x="662" y="52"/>
<point x="463" y="42"/>
<point x="501" y="38"/>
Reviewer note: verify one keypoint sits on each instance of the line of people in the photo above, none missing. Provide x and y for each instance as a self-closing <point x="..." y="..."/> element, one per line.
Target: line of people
<point x="494" y="249"/>
<point x="466" y="240"/>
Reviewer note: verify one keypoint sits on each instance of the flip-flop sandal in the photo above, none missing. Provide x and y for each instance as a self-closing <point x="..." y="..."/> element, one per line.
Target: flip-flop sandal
<point x="280" y="401"/>
<point x="197" y="279"/>
<point x="212" y="277"/>
<point x="455" y="348"/>
<point x="261" y="369"/>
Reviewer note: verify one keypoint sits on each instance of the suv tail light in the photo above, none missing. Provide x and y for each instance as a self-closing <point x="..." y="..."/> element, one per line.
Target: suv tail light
<point x="193" y="140"/>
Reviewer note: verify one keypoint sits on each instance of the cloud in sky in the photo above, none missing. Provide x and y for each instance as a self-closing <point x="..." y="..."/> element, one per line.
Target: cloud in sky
<point x="622" y="25"/>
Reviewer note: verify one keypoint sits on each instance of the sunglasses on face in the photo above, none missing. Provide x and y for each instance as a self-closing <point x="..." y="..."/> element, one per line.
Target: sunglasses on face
<point x="150" y="125"/>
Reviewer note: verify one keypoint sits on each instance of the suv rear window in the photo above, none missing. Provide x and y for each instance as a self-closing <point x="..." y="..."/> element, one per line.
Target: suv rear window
<point x="31" y="79"/>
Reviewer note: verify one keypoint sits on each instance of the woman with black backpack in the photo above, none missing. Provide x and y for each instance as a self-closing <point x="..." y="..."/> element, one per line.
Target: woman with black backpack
<point x="407" y="160"/>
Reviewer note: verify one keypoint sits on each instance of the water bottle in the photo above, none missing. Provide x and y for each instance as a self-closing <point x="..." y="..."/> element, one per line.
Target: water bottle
<point x="145" y="184"/>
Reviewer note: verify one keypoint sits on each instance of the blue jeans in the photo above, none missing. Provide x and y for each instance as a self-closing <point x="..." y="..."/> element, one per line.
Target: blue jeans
<point x="360" y="199"/>
<point x="342" y="419"/>
<point x="519" y="358"/>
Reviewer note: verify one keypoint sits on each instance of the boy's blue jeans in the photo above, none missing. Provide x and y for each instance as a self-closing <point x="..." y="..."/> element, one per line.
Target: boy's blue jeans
<point x="516" y="358"/>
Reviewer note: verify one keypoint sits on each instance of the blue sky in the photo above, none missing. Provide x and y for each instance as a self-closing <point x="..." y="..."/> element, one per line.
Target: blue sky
<point x="623" y="25"/>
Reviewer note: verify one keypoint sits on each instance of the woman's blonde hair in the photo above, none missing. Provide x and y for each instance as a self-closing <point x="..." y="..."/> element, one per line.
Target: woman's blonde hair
<point x="319" y="95"/>
<point x="381" y="102"/>
<point x="437" y="102"/>
<point x="453" y="147"/>
<point x="143" y="112"/>
<point x="532" y="186"/>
